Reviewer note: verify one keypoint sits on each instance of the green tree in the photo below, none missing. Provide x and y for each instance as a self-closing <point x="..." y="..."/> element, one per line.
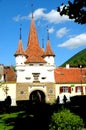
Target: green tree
<point x="75" y="10"/>
<point x="65" y="120"/>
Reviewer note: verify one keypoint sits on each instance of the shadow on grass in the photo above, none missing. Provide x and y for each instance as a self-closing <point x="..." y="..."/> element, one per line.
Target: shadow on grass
<point x="35" y="116"/>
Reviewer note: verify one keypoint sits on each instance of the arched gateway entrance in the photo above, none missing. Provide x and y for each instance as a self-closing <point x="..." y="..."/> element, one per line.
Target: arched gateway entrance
<point x="37" y="96"/>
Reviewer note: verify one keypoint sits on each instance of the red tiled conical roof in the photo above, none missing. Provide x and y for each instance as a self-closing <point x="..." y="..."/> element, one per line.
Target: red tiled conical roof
<point x="33" y="50"/>
<point x="48" y="51"/>
<point x="20" y="50"/>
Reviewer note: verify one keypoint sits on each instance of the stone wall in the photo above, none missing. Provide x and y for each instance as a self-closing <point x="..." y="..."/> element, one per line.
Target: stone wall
<point x="23" y="93"/>
<point x="51" y="92"/>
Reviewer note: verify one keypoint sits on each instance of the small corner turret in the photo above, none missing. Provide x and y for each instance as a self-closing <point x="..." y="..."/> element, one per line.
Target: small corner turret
<point x="49" y="54"/>
<point x="20" y="54"/>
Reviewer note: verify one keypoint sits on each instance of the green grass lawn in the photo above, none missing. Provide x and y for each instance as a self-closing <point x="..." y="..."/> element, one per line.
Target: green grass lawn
<point x="7" y="120"/>
<point x="30" y="118"/>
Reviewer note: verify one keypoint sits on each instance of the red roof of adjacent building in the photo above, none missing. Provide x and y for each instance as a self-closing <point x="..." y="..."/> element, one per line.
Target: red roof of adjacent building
<point x="9" y="74"/>
<point x="71" y="75"/>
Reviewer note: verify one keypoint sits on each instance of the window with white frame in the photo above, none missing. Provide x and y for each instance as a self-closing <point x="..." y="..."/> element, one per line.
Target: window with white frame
<point x="65" y="89"/>
<point x="79" y="89"/>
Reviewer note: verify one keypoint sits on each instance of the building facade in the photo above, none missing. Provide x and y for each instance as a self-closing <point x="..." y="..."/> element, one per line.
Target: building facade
<point x="7" y="83"/>
<point x="35" y="69"/>
<point x="37" y="78"/>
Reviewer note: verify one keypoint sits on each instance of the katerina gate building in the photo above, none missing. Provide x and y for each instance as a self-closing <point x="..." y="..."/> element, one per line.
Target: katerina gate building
<point x="37" y="78"/>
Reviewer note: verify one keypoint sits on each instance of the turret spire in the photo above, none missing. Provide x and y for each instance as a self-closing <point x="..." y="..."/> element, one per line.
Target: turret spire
<point x="42" y="42"/>
<point x="48" y="51"/>
<point x="32" y="9"/>
<point x="47" y="32"/>
<point x="33" y="50"/>
<point x="20" y="31"/>
<point x="20" y="49"/>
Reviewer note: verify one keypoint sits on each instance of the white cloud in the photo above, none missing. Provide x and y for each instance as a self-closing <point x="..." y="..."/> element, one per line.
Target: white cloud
<point x="74" y="42"/>
<point x="61" y="32"/>
<point x="52" y="17"/>
<point x="39" y="13"/>
<point x="51" y="30"/>
<point x="17" y="18"/>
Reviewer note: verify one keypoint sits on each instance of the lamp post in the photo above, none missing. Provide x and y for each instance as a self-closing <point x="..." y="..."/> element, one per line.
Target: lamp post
<point x="81" y="78"/>
<point x="6" y="88"/>
<point x="81" y="73"/>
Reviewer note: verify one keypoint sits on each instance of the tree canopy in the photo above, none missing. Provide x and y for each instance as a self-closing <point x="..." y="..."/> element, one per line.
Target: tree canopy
<point x="75" y="10"/>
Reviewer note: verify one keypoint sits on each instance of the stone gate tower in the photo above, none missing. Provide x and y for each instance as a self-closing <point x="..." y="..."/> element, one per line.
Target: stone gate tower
<point x="35" y="69"/>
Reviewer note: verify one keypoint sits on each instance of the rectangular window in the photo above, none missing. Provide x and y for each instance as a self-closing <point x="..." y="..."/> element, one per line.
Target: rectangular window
<point x="43" y="78"/>
<point x="36" y="77"/>
<point x="79" y="89"/>
<point x="30" y="64"/>
<point x="65" y="89"/>
<point x="41" y="64"/>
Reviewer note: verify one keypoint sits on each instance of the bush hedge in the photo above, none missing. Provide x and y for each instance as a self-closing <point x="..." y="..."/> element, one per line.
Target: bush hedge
<point x="65" y="120"/>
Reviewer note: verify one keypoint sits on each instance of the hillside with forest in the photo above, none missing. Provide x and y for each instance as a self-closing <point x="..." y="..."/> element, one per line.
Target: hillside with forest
<point x="77" y="59"/>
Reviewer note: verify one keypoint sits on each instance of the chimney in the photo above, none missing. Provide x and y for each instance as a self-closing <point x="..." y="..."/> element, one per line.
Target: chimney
<point x="67" y="66"/>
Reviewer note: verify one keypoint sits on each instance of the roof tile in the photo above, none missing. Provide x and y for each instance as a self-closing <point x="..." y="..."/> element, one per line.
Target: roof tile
<point x="20" y="50"/>
<point x="48" y="51"/>
<point x="71" y="75"/>
<point x="9" y="74"/>
<point x="33" y="50"/>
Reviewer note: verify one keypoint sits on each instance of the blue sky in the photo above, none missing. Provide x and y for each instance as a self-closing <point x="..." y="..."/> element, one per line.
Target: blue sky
<point x="67" y="38"/>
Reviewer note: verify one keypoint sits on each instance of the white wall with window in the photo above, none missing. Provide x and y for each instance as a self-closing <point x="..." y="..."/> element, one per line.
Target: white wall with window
<point x="35" y="72"/>
<point x="69" y="90"/>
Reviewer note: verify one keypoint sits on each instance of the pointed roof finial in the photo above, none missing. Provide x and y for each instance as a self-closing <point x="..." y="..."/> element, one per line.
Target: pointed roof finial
<point x="42" y="42"/>
<point x="20" y="30"/>
<point x="47" y="32"/>
<point x="32" y="9"/>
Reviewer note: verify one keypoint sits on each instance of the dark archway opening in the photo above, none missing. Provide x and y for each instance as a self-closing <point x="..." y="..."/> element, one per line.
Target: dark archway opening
<point x="37" y="96"/>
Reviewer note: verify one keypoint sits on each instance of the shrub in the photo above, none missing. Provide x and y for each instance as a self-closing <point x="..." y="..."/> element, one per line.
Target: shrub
<point x="65" y="120"/>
